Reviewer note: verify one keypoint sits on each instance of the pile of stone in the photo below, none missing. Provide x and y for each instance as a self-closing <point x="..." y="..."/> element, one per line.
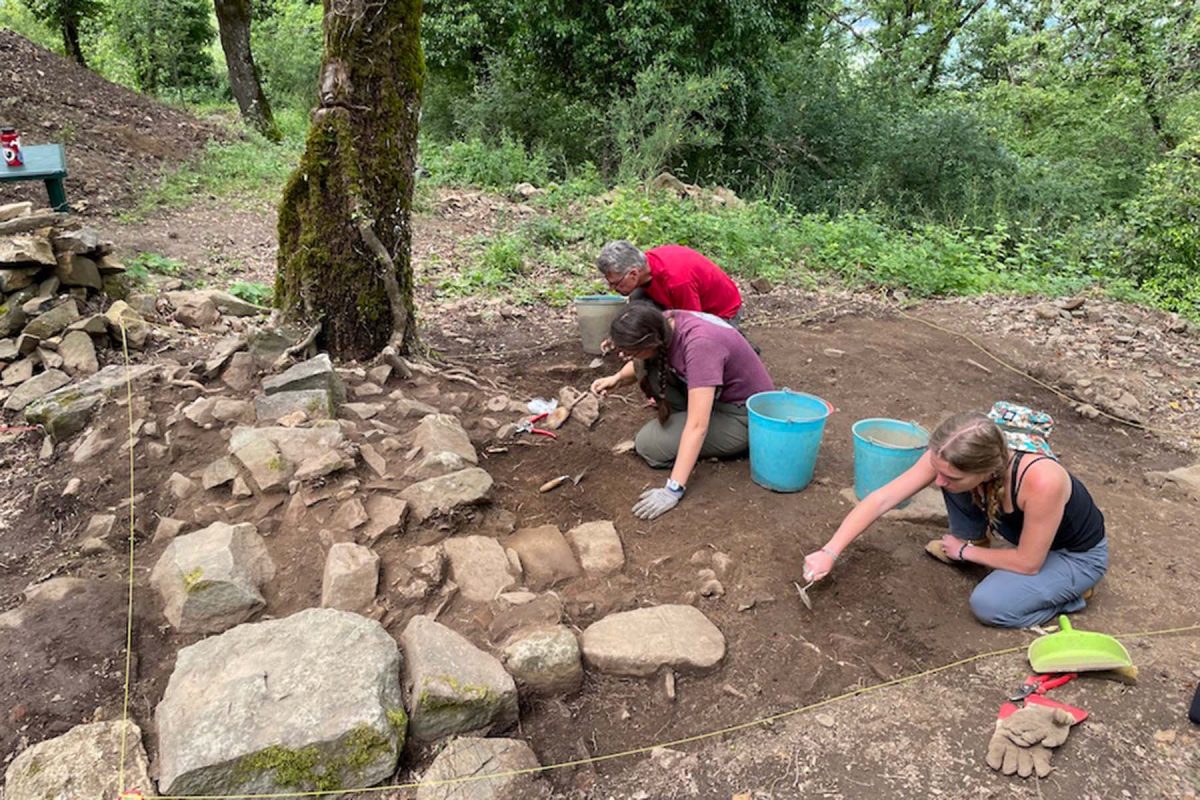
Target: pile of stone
<point x="54" y="285"/>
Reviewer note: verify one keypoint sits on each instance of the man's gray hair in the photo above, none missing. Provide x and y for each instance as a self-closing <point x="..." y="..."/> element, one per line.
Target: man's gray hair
<point x="620" y="257"/>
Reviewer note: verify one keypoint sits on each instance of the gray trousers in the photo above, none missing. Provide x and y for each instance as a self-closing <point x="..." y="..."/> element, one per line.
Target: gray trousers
<point x="1010" y="600"/>
<point x="728" y="430"/>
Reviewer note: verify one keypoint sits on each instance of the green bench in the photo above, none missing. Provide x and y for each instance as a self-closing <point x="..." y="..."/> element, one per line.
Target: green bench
<point x="43" y="162"/>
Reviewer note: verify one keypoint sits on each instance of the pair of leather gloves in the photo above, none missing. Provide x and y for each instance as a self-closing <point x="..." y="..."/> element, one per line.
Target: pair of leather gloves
<point x="1024" y="739"/>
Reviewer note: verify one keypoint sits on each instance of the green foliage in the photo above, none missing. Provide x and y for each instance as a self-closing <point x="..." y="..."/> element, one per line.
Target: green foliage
<point x="17" y="17"/>
<point x="474" y="163"/>
<point x="143" y="264"/>
<point x="165" y="44"/>
<point x="259" y="294"/>
<point x="287" y="41"/>
<point x="666" y="116"/>
<point x="1164" y="253"/>
<point x="64" y="15"/>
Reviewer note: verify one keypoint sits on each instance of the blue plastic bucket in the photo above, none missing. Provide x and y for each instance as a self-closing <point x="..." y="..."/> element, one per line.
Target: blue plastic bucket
<point x="785" y="435"/>
<point x="883" y="449"/>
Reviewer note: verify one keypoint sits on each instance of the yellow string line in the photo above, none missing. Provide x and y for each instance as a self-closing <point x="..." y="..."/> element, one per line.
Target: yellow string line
<point x="129" y="604"/>
<point x="673" y="743"/>
<point x="1062" y="394"/>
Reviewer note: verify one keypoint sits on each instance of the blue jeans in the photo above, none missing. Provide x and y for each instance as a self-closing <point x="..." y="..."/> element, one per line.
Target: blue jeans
<point x="1010" y="600"/>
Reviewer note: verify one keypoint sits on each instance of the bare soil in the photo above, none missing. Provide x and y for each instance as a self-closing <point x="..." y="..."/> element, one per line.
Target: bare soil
<point x="887" y="611"/>
<point x="116" y="139"/>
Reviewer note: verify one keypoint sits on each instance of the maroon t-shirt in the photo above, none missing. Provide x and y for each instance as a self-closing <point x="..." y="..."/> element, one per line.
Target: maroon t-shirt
<point x="682" y="278"/>
<point x="708" y="351"/>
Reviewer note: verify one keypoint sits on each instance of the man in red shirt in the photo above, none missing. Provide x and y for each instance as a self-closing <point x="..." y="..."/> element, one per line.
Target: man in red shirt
<point x="673" y="276"/>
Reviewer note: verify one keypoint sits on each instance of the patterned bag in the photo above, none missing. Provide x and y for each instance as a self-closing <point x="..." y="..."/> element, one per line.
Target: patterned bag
<point x="1024" y="429"/>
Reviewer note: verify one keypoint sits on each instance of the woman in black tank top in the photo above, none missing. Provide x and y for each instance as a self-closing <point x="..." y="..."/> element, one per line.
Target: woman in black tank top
<point x="1060" y="550"/>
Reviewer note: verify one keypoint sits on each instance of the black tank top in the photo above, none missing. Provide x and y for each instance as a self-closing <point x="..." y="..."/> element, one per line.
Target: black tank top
<point x="1082" y="525"/>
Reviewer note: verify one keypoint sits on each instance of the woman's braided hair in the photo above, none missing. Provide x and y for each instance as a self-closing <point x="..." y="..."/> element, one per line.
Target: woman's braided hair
<point x="640" y="327"/>
<point x="972" y="443"/>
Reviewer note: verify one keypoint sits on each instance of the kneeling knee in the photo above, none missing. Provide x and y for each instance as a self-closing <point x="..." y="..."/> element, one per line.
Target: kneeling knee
<point x="991" y="610"/>
<point x="650" y="446"/>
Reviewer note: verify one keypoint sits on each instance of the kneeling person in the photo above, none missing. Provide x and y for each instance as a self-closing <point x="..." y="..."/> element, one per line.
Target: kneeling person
<point x="700" y="371"/>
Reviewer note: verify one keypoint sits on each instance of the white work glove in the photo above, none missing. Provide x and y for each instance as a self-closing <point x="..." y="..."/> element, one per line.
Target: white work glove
<point x="656" y="502"/>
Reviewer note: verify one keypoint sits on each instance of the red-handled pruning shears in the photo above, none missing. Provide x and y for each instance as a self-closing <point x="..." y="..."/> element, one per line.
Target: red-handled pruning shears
<point x="527" y="426"/>
<point x="1040" y="684"/>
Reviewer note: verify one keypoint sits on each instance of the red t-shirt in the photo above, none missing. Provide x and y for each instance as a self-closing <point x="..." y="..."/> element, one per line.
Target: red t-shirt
<point x="682" y="278"/>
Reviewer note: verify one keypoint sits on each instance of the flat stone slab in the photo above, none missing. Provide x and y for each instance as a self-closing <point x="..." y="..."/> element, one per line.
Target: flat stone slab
<point x="1186" y="479"/>
<point x="297" y="445"/>
<point x="36" y="387"/>
<point x="265" y="464"/>
<point x="54" y="321"/>
<point x="210" y="580"/>
<point x="82" y="764"/>
<point x="470" y="756"/>
<point x="452" y="686"/>
<point x="316" y="373"/>
<point x="598" y="548"/>
<point x="308" y="702"/>
<point x="66" y="411"/>
<point x="545" y="662"/>
<point x="546" y="558"/>
<point x="638" y="643"/>
<point x="448" y="493"/>
<point x="927" y="507"/>
<point x="479" y="566"/>
<point x="315" y="403"/>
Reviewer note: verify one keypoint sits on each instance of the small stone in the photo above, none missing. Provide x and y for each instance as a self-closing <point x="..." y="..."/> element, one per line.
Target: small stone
<point x="323" y="464"/>
<point x="100" y="526"/>
<point x="1165" y="736"/>
<point x="825" y="720"/>
<point x="833" y="352"/>
<point x="373" y="460"/>
<point x="79" y="354"/>
<point x="180" y="486"/>
<point x="624" y="447"/>
<point x="351" y="577"/>
<point x="350" y="515"/>
<point x="218" y="473"/>
<point x="167" y="529"/>
<point x="92" y="546"/>
<point x="72" y="487"/>
<point x="91" y="446"/>
<point x="761" y="285"/>
<point x="367" y="390"/>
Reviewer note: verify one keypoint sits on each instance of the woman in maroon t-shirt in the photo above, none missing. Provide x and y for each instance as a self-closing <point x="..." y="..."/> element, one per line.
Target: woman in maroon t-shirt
<point x="700" y="371"/>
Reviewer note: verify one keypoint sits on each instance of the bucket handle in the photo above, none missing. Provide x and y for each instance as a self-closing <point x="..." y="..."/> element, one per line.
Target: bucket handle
<point x="828" y="405"/>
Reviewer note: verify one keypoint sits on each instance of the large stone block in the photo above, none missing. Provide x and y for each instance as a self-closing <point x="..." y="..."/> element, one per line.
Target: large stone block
<point x="545" y="662"/>
<point x="546" y="558"/>
<point x="35" y="388"/>
<point x="510" y="760"/>
<point x="66" y="411"/>
<point x="316" y="373"/>
<point x="297" y="445"/>
<point x="82" y="764"/>
<point x="446" y="494"/>
<point x="598" y="547"/>
<point x="453" y="686"/>
<point x="304" y="703"/>
<point x="54" y="321"/>
<point x="479" y="567"/>
<point x="351" y="577"/>
<point x="640" y="642"/>
<point x="442" y="433"/>
<point x="210" y="580"/>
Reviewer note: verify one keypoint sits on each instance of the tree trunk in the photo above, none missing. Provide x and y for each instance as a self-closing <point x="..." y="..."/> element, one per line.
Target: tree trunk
<point x="70" y="34"/>
<point x="233" y="20"/>
<point x="344" y="228"/>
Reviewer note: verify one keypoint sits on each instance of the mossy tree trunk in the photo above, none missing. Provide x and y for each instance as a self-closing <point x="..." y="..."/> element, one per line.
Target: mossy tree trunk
<point x="344" y="228"/>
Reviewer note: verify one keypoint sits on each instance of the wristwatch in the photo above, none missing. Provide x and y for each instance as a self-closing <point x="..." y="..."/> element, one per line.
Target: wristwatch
<point x="675" y="486"/>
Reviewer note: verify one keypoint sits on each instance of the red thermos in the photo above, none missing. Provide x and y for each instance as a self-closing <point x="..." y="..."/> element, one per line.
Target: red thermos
<point x="10" y="143"/>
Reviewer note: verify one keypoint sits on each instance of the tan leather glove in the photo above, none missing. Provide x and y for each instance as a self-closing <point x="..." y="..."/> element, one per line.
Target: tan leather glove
<point x="1021" y="744"/>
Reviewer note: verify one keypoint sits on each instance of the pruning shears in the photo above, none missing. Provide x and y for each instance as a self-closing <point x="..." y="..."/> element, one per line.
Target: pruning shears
<point x="1040" y="684"/>
<point x="528" y="426"/>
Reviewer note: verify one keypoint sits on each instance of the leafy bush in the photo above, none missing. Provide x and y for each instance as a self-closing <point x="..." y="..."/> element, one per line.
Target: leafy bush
<point x="1164" y="253"/>
<point x="143" y="264"/>
<point x="287" y="42"/>
<point x="473" y="163"/>
<point x="260" y="294"/>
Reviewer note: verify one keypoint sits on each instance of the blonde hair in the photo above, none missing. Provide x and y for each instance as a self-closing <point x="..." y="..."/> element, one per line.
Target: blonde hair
<point x="972" y="443"/>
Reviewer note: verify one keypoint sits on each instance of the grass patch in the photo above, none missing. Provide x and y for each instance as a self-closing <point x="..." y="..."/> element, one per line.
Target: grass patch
<point x="250" y="171"/>
<point x="140" y="267"/>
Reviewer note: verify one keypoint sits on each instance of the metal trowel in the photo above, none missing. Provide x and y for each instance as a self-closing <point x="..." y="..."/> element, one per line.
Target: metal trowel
<point x="803" y="592"/>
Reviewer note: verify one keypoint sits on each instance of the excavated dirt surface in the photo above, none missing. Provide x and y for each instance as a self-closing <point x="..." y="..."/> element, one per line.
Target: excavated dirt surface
<point x="886" y="612"/>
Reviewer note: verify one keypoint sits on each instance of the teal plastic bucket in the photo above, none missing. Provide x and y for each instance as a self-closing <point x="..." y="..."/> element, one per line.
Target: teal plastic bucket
<point x="883" y="449"/>
<point x="595" y="313"/>
<point x="785" y="435"/>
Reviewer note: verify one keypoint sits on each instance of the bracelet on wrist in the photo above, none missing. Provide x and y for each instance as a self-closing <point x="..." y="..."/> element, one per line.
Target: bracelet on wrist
<point x="829" y="553"/>
<point x="962" y="550"/>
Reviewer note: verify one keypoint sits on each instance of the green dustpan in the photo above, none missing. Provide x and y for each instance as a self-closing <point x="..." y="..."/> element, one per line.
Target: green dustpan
<point x="1070" y="650"/>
